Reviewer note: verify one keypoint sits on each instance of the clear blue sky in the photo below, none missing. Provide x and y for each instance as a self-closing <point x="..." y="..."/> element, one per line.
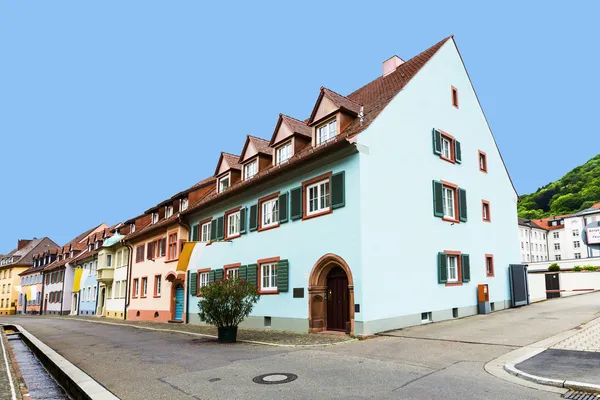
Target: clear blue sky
<point x="109" y="107"/>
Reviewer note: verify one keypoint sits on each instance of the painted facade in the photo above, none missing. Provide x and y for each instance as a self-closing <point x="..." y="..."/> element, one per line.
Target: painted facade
<point x="534" y="241"/>
<point x="32" y="283"/>
<point x="113" y="263"/>
<point x="12" y="265"/>
<point x="340" y="204"/>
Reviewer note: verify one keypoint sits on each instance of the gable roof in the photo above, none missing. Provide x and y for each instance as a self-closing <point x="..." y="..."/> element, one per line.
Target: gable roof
<point x="231" y="159"/>
<point x="296" y="126"/>
<point x="261" y="146"/>
<point x="341" y="102"/>
<point x="526" y="222"/>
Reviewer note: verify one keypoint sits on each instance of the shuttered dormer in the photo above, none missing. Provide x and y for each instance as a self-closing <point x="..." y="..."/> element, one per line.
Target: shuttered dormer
<point x="331" y="115"/>
<point x="289" y="138"/>
<point x="228" y="171"/>
<point x="256" y="157"/>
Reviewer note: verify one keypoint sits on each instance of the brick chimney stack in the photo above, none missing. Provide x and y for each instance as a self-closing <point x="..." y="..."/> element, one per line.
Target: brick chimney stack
<point x="391" y="64"/>
<point x="22" y="243"/>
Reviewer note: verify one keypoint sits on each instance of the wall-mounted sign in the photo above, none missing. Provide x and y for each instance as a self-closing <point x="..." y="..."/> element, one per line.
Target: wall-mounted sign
<point x="593" y="234"/>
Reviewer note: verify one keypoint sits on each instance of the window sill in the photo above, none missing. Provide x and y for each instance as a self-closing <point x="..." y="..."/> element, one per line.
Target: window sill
<point x="143" y="297"/>
<point x="156" y="296"/>
<point x="454" y="283"/>
<point x="317" y="214"/>
<point x="451" y="161"/>
<point x="173" y="260"/>
<point x="266" y="292"/>
<point x="266" y="228"/>
<point x="490" y="276"/>
<point x="233" y="237"/>
<point x="456" y="221"/>
<point x="489" y="221"/>
<point x="483" y="170"/>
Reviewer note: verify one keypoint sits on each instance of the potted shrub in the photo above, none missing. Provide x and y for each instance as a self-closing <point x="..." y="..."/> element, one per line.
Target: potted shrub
<point x="554" y="267"/>
<point x="590" y="268"/>
<point x="576" y="268"/>
<point x="225" y="304"/>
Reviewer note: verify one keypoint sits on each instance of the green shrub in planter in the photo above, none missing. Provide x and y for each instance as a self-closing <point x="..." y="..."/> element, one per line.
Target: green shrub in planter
<point x="576" y="268"/>
<point x="225" y="304"/>
<point x="590" y="268"/>
<point x="554" y="267"/>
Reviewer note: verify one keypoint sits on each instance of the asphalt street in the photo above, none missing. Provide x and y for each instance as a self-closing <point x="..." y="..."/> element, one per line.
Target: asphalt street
<point x="437" y="361"/>
<point x="580" y="366"/>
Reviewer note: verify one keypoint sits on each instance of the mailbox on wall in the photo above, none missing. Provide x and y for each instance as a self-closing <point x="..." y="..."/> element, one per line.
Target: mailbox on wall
<point x="483" y="299"/>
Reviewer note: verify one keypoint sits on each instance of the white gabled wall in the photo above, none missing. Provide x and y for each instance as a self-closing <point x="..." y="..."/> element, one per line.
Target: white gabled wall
<point x="400" y="235"/>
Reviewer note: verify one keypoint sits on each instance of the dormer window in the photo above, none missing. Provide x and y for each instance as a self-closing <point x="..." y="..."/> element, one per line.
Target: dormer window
<point x="97" y="244"/>
<point x="326" y="132"/>
<point x="250" y="169"/>
<point x="168" y="211"/>
<point x="154" y="218"/>
<point x="72" y="253"/>
<point x="184" y="204"/>
<point x="223" y="183"/>
<point x="132" y="228"/>
<point x="283" y="153"/>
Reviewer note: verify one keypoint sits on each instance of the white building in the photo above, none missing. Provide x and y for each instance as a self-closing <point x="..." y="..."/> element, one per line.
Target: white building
<point x="534" y="241"/>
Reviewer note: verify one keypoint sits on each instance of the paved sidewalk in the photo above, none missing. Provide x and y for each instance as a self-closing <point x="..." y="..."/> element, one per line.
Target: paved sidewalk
<point x="586" y="340"/>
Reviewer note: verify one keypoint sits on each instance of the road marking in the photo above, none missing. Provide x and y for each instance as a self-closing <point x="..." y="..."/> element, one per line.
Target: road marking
<point x="12" y="387"/>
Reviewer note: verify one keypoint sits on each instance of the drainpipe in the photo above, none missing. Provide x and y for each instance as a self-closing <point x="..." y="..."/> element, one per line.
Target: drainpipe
<point x="42" y="304"/>
<point x="127" y="285"/>
<point x="185" y="287"/>
<point x="62" y="293"/>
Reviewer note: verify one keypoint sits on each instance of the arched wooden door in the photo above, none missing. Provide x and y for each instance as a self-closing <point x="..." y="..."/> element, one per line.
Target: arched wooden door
<point x="338" y="308"/>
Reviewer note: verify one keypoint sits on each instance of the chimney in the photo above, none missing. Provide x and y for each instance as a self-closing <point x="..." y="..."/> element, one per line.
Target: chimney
<point x="22" y="243"/>
<point x="391" y="64"/>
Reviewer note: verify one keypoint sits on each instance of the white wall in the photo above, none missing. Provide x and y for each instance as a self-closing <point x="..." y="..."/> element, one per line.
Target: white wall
<point x="534" y="244"/>
<point x="537" y="287"/>
<point x="568" y="282"/>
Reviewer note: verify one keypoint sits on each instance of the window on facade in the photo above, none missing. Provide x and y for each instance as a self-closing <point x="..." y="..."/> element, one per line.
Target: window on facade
<point x="94" y="293"/>
<point x="283" y="153"/>
<point x="577" y="255"/>
<point x="123" y="288"/>
<point x="172" y="252"/>
<point x="132" y="227"/>
<point x="452" y="268"/>
<point x="482" y="161"/>
<point x="486" y="211"/>
<point x="446" y="148"/>
<point x="184" y="204"/>
<point x="223" y="183"/>
<point x="270" y="213"/>
<point x="489" y="265"/>
<point x="154" y="218"/>
<point x="250" y="169"/>
<point x="448" y="200"/>
<point x="556" y="235"/>
<point x="556" y="246"/>
<point x="522" y="246"/>
<point x="109" y="260"/>
<point x="136" y="287"/>
<point x="544" y="236"/>
<point x="268" y="276"/>
<point x="326" y="132"/>
<point x="168" y="211"/>
<point x="454" y="97"/>
<point x="557" y="257"/>
<point x="163" y="246"/>
<point x="119" y="258"/>
<point x="144" y="287"/>
<point x="577" y="244"/>
<point x="205" y="234"/>
<point x="139" y="253"/>
<point x="157" y="283"/>
<point x="317" y="197"/>
<point x="203" y="279"/>
<point x="527" y="257"/>
<point x="575" y="232"/>
<point x="233" y="224"/>
<point x="233" y="273"/>
<point x="89" y="293"/>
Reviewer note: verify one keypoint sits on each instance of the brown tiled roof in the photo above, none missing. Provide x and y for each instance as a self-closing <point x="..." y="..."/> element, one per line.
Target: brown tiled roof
<point x="544" y="223"/>
<point x="152" y="227"/>
<point x="297" y="126"/>
<point x="231" y="159"/>
<point x="261" y="146"/>
<point x="526" y="222"/>
<point x="85" y="255"/>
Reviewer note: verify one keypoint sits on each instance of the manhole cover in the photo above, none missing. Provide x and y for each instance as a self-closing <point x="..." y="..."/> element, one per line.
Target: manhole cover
<point x="274" y="378"/>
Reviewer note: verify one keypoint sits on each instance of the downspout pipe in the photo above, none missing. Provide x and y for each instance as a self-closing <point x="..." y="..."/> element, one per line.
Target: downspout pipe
<point x="127" y="279"/>
<point x="43" y="303"/>
<point x="62" y="293"/>
<point x="185" y="288"/>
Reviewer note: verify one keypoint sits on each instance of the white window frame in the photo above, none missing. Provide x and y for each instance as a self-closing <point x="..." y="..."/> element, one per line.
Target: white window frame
<point x="184" y="204"/>
<point x="269" y="213"/>
<point x="577" y="255"/>
<point x="325" y="133"/>
<point x="205" y="233"/>
<point x="250" y="170"/>
<point x="576" y="244"/>
<point x="448" y="201"/>
<point x="446" y="148"/>
<point x="556" y="235"/>
<point x="144" y="286"/>
<point x="322" y="201"/>
<point x="168" y="211"/>
<point x="136" y="287"/>
<point x="154" y="218"/>
<point x="452" y="266"/>
<point x="157" y="284"/>
<point x="556" y="246"/>
<point x="220" y="183"/>
<point x="203" y="278"/>
<point x="270" y="278"/>
<point x="557" y="257"/>
<point x="235" y="216"/>
<point x="233" y="272"/>
<point x="284" y="152"/>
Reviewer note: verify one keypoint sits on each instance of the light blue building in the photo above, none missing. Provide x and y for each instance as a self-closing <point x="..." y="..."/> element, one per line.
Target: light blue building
<point x="85" y="283"/>
<point x="385" y="209"/>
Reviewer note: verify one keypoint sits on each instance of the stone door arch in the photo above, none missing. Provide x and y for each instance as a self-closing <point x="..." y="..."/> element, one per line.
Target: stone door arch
<point x="317" y="287"/>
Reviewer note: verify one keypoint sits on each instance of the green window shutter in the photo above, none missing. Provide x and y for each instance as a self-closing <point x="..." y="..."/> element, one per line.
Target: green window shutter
<point x="213" y="229"/>
<point x="211" y="276"/>
<point x="283" y="208"/>
<point x="283" y="275"/>
<point x="457" y="152"/>
<point x="462" y="204"/>
<point x="220" y="232"/>
<point x="193" y="289"/>
<point x="195" y="233"/>
<point x="466" y="268"/>
<point x="219" y="274"/>
<point x="243" y="220"/>
<point x="243" y="272"/>
<point x="437" y="142"/>
<point x="296" y="203"/>
<point x="442" y="268"/>
<point x="253" y="224"/>
<point x="338" y="195"/>
<point x="251" y="274"/>
<point x="438" y="200"/>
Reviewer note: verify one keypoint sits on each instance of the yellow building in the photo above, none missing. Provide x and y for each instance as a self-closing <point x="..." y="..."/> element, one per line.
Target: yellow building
<point x="12" y="264"/>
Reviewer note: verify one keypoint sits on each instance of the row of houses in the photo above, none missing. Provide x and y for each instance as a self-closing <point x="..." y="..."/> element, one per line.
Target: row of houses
<point x="558" y="238"/>
<point x="384" y="208"/>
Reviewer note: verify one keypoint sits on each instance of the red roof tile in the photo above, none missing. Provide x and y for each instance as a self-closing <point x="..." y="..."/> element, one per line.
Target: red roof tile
<point x="231" y="159"/>
<point x="338" y="100"/>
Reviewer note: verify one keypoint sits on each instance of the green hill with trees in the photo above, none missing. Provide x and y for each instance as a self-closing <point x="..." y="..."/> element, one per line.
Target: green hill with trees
<point x="577" y="190"/>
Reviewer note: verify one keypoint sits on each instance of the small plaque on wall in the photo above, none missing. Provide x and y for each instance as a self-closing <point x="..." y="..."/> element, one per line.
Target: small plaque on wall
<point x="299" y="293"/>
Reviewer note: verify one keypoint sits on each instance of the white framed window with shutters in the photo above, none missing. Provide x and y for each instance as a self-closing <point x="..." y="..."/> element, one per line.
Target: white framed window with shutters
<point x="184" y="204"/>
<point x="233" y="224"/>
<point x="317" y="197"/>
<point x="452" y="264"/>
<point x="205" y="233"/>
<point x="203" y="279"/>
<point x="268" y="276"/>
<point x="326" y="132"/>
<point x="449" y="201"/>
<point x="283" y="153"/>
<point x="446" y="148"/>
<point x="233" y="273"/>
<point x="269" y="213"/>
<point x="224" y="183"/>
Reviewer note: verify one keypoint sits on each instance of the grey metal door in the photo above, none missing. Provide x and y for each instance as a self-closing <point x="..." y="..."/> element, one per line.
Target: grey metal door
<point x="519" y="290"/>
